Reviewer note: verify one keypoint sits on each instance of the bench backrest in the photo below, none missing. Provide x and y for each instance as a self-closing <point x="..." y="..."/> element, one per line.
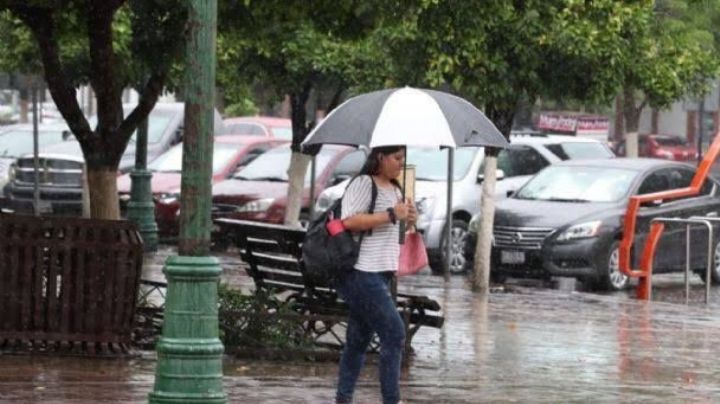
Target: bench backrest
<point x="272" y="252"/>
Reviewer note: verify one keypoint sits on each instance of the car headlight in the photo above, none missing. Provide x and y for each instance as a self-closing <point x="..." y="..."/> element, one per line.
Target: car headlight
<point x="12" y="172"/>
<point x="582" y="230"/>
<point x="425" y="207"/>
<point x="474" y="225"/>
<point x="258" y="205"/>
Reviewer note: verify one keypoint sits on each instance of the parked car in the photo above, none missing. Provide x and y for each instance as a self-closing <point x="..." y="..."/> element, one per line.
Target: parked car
<point x="259" y="190"/>
<point x="668" y="147"/>
<point x="17" y="140"/>
<point x="230" y="152"/>
<point x="526" y="155"/>
<point x="259" y="126"/>
<point x="567" y="221"/>
<point x="61" y="185"/>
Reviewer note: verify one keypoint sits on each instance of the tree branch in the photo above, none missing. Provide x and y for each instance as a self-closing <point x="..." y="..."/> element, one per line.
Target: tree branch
<point x="335" y="100"/>
<point x="42" y="24"/>
<point x="102" y="64"/>
<point x="148" y="97"/>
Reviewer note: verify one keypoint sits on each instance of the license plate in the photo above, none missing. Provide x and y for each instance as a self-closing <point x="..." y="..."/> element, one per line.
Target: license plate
<point x="44" y="206"/>
<point x="512" y="257"/>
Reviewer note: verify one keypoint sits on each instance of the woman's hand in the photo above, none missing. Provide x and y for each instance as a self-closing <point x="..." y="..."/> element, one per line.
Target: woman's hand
<point x="401" y="210"/>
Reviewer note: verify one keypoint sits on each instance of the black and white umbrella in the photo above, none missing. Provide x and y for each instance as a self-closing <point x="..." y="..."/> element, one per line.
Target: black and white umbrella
<point x="406" y="117"/>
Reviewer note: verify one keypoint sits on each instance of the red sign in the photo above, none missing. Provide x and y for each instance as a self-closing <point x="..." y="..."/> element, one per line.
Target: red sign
<point x="573" y="124"/>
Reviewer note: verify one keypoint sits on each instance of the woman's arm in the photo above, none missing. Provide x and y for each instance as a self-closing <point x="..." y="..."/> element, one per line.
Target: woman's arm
<point x="366" y="221"/>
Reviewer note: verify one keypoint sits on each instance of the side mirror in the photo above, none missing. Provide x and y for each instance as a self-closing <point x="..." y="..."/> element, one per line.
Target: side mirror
<point x="499" y="175"/>
<point x="339" y="178"/>
<point x="510" y="192"/>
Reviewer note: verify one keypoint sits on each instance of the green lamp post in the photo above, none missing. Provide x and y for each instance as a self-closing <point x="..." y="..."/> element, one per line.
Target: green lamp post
<point x="141" y="208"/>
<point x="189" y="368"/>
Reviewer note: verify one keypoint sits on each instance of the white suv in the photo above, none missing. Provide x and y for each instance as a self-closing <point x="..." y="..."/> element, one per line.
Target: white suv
<point x="526" y="155"/>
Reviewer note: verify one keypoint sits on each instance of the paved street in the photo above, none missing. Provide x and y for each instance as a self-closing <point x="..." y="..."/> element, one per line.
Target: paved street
<point x="523" y="344"/>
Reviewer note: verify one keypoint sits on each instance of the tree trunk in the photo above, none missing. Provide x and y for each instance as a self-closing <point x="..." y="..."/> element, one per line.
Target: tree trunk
<point x="103" y="193"/>
<point x="296" y="186"/>
<point x="298" y="162"/>
<point x="502" y="117"/>
<point x="631" y="112"/>
<point x="631" y="115"/>
<point x="24" y="106"/>
<point x="619" y="119"/>
<point x="481" y="280"/>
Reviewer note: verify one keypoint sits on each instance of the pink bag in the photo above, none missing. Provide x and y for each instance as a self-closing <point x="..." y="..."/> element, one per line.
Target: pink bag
<point x="413" y="256"/>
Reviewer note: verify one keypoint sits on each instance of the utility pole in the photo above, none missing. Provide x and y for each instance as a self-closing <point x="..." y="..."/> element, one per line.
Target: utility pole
<point x="140" y="208"/>
<point x="189" y="368"/>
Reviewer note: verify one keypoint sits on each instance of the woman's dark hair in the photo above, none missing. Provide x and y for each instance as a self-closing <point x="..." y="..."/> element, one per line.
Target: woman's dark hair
<point x="372" y="164"/>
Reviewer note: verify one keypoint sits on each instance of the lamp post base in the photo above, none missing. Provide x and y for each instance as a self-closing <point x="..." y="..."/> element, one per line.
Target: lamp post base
<point x="141" y="209"/>
<point x="189" y="368"/>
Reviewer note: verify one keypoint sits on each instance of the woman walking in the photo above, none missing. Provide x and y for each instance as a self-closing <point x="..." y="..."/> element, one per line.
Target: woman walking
<point x="366" y="287"/>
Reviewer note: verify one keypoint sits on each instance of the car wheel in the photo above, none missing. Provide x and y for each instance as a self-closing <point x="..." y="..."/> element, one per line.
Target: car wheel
<point x="715" y="273"/>
<point x="458" y="233"/>
<point x="611" y="278"/>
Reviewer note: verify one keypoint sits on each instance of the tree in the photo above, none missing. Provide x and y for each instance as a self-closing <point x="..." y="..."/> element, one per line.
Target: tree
<point x="110" y="45"/>
<point x="290" y="47"/>
<point x="502" y="54"/>
<point x="659" y="51"/>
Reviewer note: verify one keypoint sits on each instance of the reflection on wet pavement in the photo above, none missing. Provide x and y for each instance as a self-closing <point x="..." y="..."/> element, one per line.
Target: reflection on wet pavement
<point x="528" y="345"/>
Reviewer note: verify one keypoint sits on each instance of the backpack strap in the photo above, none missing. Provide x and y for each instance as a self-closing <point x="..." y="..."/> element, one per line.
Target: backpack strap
<point x="373" y="199"/>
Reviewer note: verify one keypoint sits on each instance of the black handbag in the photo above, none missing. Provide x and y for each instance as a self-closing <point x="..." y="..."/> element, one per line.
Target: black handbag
<point x="329" y="250"/>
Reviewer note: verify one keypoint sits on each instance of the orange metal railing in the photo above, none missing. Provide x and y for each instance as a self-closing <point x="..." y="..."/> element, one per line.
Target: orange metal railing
<point x="644" y="273"/>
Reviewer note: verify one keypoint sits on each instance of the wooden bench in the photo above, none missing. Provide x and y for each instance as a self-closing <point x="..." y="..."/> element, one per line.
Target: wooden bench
<point x="273" y="257"/>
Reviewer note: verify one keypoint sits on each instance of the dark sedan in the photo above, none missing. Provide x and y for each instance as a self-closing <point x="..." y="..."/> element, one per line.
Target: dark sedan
<point x="566" y="221"/>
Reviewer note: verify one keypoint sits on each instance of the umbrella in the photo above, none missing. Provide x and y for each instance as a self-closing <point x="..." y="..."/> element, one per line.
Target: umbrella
<point x="408" y="117"/>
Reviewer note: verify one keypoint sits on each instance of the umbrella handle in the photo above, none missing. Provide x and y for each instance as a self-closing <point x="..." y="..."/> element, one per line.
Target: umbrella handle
<point x="403" y="227"/>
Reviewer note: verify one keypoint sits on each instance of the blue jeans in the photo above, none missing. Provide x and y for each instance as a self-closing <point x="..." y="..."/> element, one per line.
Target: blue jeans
<point x="372" y="310"/>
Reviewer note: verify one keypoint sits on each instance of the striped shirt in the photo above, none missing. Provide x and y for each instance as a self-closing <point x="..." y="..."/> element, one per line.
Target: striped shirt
<point x="380" y="250"/>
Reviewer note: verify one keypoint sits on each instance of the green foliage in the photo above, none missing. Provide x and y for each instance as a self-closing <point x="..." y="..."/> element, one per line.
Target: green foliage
<point x="158" y="37"/>
<point x="258" y="321"/>
<point x="244" y="107"/>
<point x="294" y="47"/>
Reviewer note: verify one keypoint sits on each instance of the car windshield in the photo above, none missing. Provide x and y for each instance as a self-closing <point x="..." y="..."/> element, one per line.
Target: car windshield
<point x="580" y="150"/>
<point x="16" y="143"/>
<point x="670" y="141"/>
<point x="158" y="122"/>
<point x="171" y="161"/>
<point x="273" y="165"/>
<point x="431" y="164"/>
<point x="578" y="184"/>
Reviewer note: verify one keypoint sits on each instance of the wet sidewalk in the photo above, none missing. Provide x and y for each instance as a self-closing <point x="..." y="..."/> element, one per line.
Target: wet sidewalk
<point x="519" y="345"/>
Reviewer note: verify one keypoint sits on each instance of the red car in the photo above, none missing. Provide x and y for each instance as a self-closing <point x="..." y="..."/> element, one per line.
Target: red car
<point x="229" y="153"/>
<point x="259" y="191"/>
<point x="259" y="126"/>
<point x="666" y="147"/>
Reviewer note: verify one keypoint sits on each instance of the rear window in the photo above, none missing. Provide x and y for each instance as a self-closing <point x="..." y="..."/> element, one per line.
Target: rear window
<point x="580" y="150"/>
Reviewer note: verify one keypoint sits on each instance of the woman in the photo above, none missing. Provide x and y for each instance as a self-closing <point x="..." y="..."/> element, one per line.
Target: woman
<point x="365" y="288"/>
